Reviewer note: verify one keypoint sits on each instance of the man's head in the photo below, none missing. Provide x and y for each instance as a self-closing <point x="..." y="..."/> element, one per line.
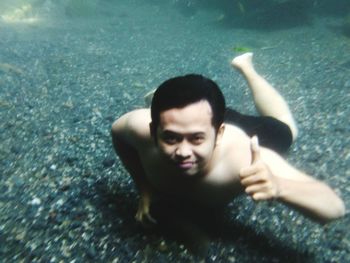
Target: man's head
<point x="182" y="91"/>
<point x="187" y="122"/>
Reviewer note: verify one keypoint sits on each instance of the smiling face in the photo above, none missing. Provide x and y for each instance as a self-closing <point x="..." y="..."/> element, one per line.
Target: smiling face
<point x="187" y="137"/>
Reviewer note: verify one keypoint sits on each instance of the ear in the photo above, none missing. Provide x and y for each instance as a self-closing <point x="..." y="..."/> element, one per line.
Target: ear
<point x="220" y="134"/>
<point x="151" y="129"/>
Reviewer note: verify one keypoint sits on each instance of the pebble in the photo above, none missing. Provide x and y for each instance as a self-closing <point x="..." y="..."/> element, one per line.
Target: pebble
<point x="20" y="236"/>
<point x="35" y="201"/>
<point x="162" y="247"/>
<point x="60" y="202"/>
<point x="107" y="163"/>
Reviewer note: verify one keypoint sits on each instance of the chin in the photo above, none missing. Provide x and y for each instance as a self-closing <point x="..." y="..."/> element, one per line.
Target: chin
<point x="192" y="174"/>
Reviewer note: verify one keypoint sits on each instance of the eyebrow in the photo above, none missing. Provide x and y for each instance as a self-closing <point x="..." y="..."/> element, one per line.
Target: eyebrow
<point x="170" y="132"/>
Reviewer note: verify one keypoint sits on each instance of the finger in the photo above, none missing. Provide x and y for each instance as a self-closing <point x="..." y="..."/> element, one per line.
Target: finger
<point x="151" y="219"/>
<point x="146" y="221"/>
<point x="262" y="188"/>
<point x="138" y="218"/>
<point x="247" y="181"/>
<point x="261" y="196"/>
<point x="255" y="188"/>
<point x="255" y="149"/>
<point x="251" y="170"/>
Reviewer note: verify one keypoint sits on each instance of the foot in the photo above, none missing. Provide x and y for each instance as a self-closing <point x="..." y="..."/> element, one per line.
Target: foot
<point x="243" y="61"/>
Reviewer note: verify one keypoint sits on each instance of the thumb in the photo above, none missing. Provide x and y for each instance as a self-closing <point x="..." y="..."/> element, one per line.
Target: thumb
<point x="254" y="146"/>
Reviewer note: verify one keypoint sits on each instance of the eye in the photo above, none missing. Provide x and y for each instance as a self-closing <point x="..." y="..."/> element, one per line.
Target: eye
<point x="170" y="138"/>
<point x="197" y="139"/>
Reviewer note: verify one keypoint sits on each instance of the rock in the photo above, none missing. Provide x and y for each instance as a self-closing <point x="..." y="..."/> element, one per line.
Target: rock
<point x="35" y="201"/>
<point x="91" y="252"/>
<point x="65" y="184"/>
<point x="107" y="163"/>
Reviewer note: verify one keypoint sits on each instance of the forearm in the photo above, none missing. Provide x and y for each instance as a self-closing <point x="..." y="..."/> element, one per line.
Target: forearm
<point x="132" y="163"/>
<point x="312" y="197"/>
<point x="131" y="160"/>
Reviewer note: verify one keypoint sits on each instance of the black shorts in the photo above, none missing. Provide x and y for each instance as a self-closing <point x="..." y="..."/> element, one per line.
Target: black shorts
<point x="271" y="132"/>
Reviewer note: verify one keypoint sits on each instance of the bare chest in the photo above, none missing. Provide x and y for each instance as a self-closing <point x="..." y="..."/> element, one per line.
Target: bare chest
<point x="219" y="186"/>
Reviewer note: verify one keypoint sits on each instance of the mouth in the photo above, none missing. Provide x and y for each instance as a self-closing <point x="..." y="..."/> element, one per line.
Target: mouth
<point x="185" y="165"/>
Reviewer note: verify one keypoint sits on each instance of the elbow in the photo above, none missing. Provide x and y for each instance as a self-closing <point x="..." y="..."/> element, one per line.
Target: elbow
<point x="114" y="128"/>
<point x="338" y="210"/>
<point x="116" y="135"/>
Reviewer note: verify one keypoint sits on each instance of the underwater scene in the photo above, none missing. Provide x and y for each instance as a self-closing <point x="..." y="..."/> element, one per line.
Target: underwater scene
<point x="70" y="68"/>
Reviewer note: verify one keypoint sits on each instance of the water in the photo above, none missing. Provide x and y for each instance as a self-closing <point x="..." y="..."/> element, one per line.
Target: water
<point x="69" y="68"/>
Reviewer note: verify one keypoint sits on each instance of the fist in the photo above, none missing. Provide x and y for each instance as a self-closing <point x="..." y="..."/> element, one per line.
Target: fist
<point x="257" y="179"/>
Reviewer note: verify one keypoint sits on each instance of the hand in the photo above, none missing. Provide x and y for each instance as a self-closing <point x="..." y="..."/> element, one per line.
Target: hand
<point x="143" y="215"/>
<point x="257" y="179"/>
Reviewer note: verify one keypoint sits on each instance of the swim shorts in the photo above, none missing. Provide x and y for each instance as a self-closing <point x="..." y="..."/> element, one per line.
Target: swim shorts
<point x="271" y="132"/>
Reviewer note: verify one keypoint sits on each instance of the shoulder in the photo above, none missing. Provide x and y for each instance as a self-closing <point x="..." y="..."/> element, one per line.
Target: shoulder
<point x="232" y="153"/>
<point x="235" y="147"/>
<point x="234" y="137"/>
<point x="134" y="124"/>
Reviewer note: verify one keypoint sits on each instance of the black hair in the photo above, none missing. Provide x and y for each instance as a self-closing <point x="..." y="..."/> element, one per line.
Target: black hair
<point x="181" y="91"/>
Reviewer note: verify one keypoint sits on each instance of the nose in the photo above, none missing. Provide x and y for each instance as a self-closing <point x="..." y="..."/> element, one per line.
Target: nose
<point x="183" y="150"/>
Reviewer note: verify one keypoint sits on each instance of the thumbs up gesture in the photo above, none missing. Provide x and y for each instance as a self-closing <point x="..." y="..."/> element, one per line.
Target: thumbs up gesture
<point x="257" y="178"/>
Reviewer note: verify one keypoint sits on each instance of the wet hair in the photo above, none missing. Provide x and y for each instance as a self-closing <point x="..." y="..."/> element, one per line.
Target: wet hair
<point x="181" y="91"/>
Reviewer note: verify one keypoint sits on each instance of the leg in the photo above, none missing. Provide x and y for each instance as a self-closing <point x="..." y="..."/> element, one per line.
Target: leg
<point x="267" y="100"/>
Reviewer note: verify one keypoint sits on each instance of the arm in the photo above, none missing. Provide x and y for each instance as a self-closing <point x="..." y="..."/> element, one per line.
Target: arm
<point x="123" y="137"/>
<point x="271" y="177"/>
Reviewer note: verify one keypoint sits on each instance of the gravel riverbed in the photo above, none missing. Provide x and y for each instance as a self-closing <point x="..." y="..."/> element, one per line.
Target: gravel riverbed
<point x="64" y="196"/>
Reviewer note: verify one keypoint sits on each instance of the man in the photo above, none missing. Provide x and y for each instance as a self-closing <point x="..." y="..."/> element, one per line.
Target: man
<point x="189" y="147"/>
